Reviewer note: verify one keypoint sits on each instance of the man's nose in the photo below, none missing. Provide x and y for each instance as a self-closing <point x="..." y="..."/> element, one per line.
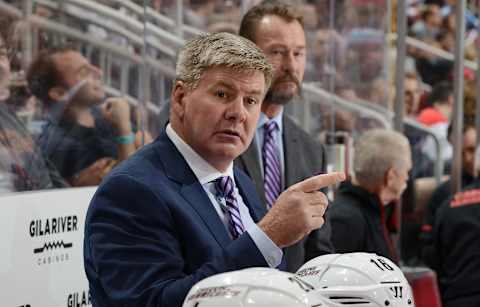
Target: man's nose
<point x="290" y="62"/>
<point x="236" y="110"/>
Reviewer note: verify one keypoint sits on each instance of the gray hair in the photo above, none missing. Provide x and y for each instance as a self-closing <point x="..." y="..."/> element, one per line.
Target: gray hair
<point x="376" y="151"/>
<point x="220" y="49"/>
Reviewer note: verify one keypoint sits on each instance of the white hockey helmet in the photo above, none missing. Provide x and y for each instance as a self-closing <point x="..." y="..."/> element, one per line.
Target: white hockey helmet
<point x="360" y="279"/>
<point x="255" y="287"/>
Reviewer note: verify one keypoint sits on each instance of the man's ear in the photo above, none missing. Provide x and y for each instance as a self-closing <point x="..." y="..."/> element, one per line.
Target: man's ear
<point x="390" y="176"/>
<point x="56" y="93"/>
<point x="179" y="92"/>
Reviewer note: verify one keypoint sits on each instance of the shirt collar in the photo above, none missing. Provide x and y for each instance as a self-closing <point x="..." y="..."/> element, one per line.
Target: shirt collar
<point x="203" y="170"/>
<point x="277" y="118"/>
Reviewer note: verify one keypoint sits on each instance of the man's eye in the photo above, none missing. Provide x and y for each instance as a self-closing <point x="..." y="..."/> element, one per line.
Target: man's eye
<point x="220" y="94"/>
<point x="252" y="101"/>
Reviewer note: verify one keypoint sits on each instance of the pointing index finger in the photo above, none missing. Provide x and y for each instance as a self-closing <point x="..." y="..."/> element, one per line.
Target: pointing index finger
<point x="315" y="183"/>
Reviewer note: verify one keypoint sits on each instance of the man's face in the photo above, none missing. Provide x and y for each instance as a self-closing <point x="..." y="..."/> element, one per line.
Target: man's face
<point x="323" y="46"/>
<point x="399" y="184"/>
<point x="74" y="68"/>
<point x="218" y="118"/>
<point x="435" y="17"/>
<point x="369" y="58"/>
<point x="284" y="45"/>
<point x="468" y="151"/>
<point x="397" y="179"/>
<point x="411" y="96"/>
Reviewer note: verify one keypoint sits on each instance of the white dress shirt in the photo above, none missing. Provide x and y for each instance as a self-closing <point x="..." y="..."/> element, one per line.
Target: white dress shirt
<point x="206" y="175"/>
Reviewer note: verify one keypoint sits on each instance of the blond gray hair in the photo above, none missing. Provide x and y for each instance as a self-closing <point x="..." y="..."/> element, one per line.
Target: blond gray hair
<point x="376" y="151"/>
<point x="220" y="49"/>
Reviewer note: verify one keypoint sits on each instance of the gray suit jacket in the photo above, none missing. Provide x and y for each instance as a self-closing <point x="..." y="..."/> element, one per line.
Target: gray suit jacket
<point x="304" y="157"/>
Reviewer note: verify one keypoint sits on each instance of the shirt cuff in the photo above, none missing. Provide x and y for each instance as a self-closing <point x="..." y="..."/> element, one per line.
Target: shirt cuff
<point x="270" y="251"/>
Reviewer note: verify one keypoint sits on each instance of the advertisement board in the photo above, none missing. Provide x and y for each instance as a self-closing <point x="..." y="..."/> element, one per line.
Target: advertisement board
<point x="41" y="234"/>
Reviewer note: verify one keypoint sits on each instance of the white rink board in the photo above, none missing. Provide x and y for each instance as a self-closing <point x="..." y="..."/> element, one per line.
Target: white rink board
<point x="41" y="260"/>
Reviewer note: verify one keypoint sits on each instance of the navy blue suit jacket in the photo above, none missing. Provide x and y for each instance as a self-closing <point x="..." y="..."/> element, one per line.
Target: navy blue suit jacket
<point x="151" y="231"/>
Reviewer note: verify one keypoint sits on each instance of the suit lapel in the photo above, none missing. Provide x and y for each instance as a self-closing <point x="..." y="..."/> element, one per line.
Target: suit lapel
<point x="251" y="165"/>
<point x="177" y="169"/>
<point x="257" y="210"/>
<point x="198" y="199"/>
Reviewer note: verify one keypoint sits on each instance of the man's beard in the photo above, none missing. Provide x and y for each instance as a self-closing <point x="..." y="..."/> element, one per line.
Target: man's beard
<point x="282" y="98"/>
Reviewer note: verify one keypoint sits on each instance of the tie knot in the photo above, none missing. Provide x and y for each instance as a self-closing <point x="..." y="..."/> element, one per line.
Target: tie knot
<point x="224" y="186"/>
<point x="271" y="126"/>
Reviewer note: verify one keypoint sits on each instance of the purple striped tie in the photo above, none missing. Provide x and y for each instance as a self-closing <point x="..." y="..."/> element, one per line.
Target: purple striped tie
<point x="271" y="164"/>
<point x="225" y="187"/>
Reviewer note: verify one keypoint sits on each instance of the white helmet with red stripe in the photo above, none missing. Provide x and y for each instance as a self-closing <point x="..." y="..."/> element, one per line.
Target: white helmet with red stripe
<point x="255" y="287"/>
<point x="358" y="279"/>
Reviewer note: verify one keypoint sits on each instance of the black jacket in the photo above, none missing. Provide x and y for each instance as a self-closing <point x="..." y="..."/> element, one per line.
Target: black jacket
<point x="359" y="222"/>
<point x="441" y="194"/>
<point x="456" y="239"/>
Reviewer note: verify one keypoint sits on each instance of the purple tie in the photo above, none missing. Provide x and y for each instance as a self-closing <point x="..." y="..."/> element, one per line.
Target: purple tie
<point x="271" y="164"/>
<point x="225" y="188"/>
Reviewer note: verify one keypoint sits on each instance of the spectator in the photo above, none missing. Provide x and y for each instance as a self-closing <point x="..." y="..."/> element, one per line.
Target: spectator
<point x="327" y="57"/>
<point x="83" y="139"/>
<point x="364" y="57"/>
<point x="456" y="248"/>
<point x="422" y="164"/>
<point x="440" y="105"/>
<point x="363" y="207"/>
<point x="428" y="26"/>
<point x="437" y="118"/>
<point x="272" y="158"/>
<point x="412" y="94"/>
<point x="22" y="165"/>
<point x="448" y="9"/>
<point x="444" y="191"/>
<point x="26" y="166"/>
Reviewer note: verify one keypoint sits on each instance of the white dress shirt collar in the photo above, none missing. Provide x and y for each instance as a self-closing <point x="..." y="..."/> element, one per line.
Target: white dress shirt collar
<point x="204" y="171"/>
<point x="277" y="118"/>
